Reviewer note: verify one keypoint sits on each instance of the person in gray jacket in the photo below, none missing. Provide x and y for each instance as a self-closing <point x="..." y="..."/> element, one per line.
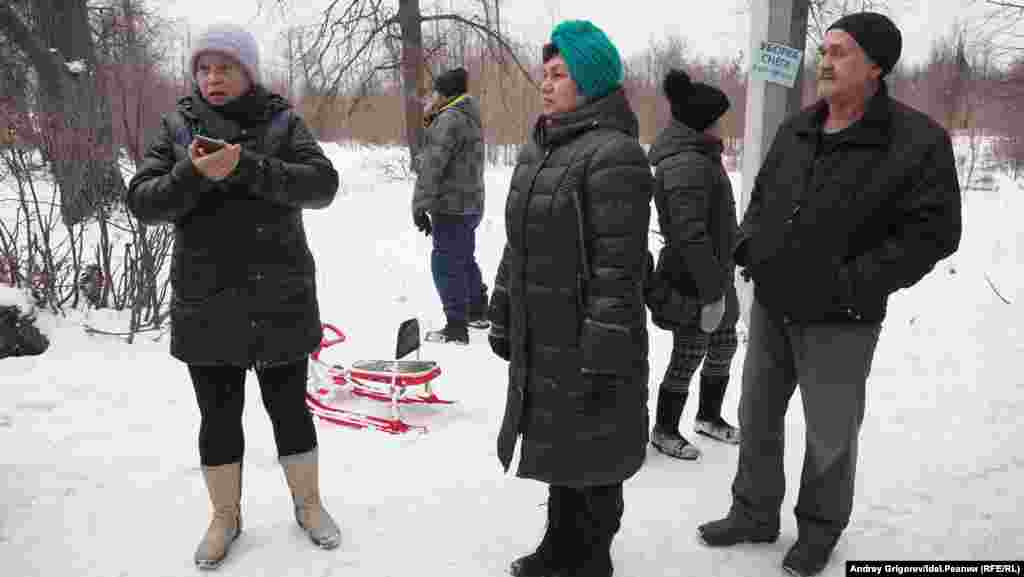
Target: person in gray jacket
<point x="448" y="203"/>
<point x="697" y="216"/>
<point x="243" y="277"/>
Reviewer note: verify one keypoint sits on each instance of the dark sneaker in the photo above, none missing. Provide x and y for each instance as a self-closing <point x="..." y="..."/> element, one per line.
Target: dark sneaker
<point x="478" y="313"/>
<point x="732" y="531"/>
<point x="540" y="563"/>
<point x="805" y="559"/>
<point x="453" y="332"/>
<point x="479" y="323"/>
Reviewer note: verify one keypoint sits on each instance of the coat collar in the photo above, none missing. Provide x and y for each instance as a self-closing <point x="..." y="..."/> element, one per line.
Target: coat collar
<point x="612" y="111"/>
<point x="874" y="127"/>
<point x="193" y="106"/>
<point x="677" y="137"/>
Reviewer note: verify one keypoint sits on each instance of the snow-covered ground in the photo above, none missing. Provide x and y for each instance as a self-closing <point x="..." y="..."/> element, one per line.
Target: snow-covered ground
<point x="100" y="470"/>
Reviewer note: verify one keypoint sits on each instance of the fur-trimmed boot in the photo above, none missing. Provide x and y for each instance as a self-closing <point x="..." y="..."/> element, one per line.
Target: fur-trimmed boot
<point x="224" y="484"/>
<point x="302" y="472"/>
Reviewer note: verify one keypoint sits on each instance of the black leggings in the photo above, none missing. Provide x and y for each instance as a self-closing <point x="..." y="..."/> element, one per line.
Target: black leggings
<point x="220" y="392"/>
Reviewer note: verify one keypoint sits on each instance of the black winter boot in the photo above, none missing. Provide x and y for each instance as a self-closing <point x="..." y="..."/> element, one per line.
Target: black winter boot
<point x="599" y="519"/>
<point x="809" y="556"/>
<point x="478" y="310"/>
<point x="550" y="558"/>
<point x="733" y="530"/>
<point x="670" y="408"/>
<point x="665" y="437"/>
<point x="709" y="414"/>
<point x="454" y="331"/>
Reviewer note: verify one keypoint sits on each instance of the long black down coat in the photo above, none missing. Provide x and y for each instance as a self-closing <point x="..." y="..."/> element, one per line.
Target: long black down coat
<point x="242" y="273"/>
<point x="577" y="331"/>
<point x="697" y="217"/>
<point x="830" y="233"/>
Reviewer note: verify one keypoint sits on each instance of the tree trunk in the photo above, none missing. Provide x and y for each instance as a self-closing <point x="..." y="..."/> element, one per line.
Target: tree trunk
<point x="74" y="118"/>
<point x="412" y="72"/>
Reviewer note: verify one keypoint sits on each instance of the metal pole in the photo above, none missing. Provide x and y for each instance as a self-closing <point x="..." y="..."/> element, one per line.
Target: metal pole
<point x="768" y="103"/>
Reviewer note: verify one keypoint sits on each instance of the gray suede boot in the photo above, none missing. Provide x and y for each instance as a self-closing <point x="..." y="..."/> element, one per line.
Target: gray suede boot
<point x="302" y="473"/>
<point x="224" y="483"/>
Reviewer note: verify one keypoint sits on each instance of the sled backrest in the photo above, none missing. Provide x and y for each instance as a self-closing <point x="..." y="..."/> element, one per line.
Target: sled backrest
<point x="408" y="338"/>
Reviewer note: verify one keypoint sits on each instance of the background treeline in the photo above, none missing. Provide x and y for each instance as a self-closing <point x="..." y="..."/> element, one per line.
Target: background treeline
<point x="85" y="82"/>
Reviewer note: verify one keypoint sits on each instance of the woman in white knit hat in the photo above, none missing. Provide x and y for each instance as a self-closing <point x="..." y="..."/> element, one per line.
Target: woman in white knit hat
<point x="243" y="275"/>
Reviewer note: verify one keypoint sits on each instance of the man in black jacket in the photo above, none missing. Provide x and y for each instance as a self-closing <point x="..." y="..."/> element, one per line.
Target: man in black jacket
<point x="857" y="198"/>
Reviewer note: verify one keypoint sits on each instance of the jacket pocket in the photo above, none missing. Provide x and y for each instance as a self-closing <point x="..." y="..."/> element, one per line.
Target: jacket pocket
<point x="607" y="348"/>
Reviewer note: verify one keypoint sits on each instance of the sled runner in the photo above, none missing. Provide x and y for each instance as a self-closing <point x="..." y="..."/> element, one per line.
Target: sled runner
<point x="396" y="382"/>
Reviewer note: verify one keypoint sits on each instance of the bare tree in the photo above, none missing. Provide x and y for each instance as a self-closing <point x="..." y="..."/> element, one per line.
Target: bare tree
<point x="1001" y="27"/>
<point x="823" y="13"/>
<point x="365" y="38"/>
<point x="56" y="38"/>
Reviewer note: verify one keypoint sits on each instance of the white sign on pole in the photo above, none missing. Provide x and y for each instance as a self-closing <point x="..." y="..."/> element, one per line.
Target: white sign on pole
<point x="776" y="63"/>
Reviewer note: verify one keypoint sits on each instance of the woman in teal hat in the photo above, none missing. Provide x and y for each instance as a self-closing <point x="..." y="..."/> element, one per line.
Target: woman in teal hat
<point x="567" y="310"/>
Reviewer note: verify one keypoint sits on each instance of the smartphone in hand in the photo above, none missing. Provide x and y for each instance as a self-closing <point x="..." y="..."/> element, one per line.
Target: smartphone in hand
<point x="209" y="145"/>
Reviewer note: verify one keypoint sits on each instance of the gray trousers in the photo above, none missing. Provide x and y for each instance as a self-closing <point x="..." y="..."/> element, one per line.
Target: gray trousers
<point x="831" y="363"/>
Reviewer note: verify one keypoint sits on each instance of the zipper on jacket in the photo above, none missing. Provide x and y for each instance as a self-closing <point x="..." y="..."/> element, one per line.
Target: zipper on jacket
<point x="526" y="210"/>
<point x="793" y="215"/>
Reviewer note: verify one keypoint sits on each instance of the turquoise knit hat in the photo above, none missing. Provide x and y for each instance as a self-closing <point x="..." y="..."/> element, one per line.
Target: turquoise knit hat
<point x="593" y="60"/>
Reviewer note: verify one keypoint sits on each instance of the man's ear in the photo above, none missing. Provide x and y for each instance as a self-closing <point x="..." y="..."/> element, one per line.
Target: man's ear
<point x="875" y="71"/>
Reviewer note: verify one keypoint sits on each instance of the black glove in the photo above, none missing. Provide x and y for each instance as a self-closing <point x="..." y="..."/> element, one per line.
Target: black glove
<point x="422" y="222"/>
<point x="500" y="347"/>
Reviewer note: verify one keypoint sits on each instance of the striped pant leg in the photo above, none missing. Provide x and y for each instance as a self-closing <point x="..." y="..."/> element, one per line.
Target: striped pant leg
<point x="688" y="348"/>
<point x="721" y="348"/>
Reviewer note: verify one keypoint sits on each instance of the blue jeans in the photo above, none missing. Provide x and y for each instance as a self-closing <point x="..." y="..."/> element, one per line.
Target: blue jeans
<point x="453" y="263"/>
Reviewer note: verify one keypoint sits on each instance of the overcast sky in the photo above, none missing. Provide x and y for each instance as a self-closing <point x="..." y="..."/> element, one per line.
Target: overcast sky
<point x="713" y="28"/>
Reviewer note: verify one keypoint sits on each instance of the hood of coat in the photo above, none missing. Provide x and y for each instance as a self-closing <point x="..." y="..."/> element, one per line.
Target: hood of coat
<point x="612" y="111"/>
<point x="678" y="137"/>
<point x="463" y="104"/>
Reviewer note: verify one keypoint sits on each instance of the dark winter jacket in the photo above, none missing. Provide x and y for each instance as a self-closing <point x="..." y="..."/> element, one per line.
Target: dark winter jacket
<point x="243" y="276"/>
<point x="830" y="232"/>
<point x="576" y="330"/>
<point x="697" y="216"/>
<point x="450" y="177"/>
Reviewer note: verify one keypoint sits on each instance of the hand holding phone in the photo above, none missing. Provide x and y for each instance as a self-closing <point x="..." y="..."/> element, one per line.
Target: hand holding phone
<point x="215" y="165"/>
<point x="209" y="145"/>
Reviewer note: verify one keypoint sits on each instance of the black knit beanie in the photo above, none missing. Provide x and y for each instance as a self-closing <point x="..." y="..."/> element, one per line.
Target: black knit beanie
<point x="876" y="34"/>
<point x="452" y="83"/>
<point x="695" y="104"/>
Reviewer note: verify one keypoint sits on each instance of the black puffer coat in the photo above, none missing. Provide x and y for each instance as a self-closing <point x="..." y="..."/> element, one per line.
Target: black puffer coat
<point x="577" y="332"/>
<point x="243" y="275"/>
<point x="831" y="232"/>
<point x="697" y="217"/>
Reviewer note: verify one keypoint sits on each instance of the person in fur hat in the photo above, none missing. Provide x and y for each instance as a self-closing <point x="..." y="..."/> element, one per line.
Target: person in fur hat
<point x="243" y="277"/>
